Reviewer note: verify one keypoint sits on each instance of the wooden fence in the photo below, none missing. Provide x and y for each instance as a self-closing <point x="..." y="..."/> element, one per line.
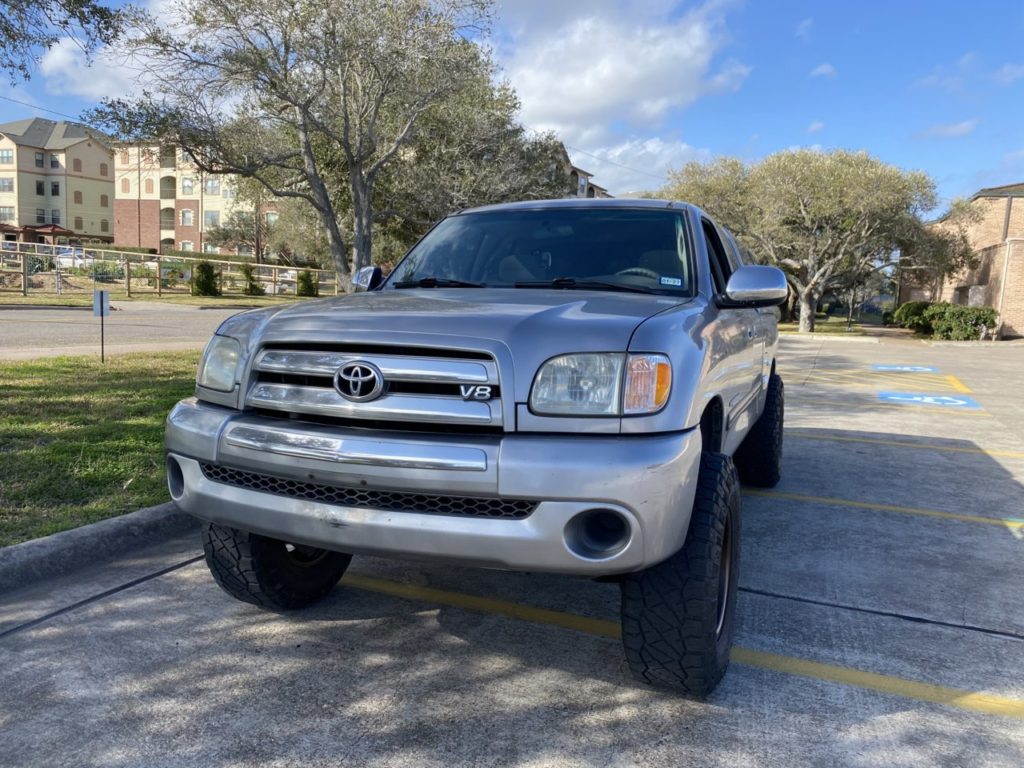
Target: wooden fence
<point x="35" y="268"/>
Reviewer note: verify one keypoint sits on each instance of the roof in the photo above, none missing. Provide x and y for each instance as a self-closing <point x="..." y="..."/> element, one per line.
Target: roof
<point x="48" y="134"/>
<point x="1007" y="190"/>
<point x="583" y="202"/>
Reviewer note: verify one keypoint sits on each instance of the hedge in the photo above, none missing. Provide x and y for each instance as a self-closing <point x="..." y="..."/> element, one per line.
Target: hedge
<point x="946" y="321"/>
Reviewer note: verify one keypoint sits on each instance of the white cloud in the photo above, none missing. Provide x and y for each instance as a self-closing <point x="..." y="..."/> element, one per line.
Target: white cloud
<point x="635" y="165"/>
<point x="803" y="29"/>
<point x="816" y="126"/>
<point x="823" y="70"/>
<point x="68" y="73"/>
<point x="1008" y="74"/>
<point x="950" y="130"/>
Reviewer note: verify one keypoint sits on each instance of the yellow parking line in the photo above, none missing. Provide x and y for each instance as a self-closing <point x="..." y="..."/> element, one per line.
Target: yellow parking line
<point x="958" y="385"/>
<point x="1009" y="523"/>
<point x="904" y="444"/>
<point x="934" y="694"/>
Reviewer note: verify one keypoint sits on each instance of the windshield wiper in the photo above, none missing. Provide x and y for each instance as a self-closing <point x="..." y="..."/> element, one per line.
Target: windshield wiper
<point x="436" y="282"/>
<point x="572" y="283"/>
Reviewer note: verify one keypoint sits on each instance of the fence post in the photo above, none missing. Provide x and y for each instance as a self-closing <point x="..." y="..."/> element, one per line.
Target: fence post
<point x="159" y="277"/>
<point x="128" y="275"/>
<point x="24" y="274"/>
<point x="275" y="280"/>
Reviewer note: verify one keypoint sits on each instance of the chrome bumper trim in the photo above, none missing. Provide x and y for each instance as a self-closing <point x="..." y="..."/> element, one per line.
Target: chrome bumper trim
<point x="347" y="450"/>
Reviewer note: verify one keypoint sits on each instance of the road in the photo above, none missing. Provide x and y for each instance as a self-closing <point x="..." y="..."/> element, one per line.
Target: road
<point x="133" y="326"/>
<point x="880" y="621"/>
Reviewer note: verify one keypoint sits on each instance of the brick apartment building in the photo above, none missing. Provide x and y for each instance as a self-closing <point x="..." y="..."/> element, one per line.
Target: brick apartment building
<point x="998" y="281"/>
<point x="163" y="201"/>
<point x="56" y="183"/>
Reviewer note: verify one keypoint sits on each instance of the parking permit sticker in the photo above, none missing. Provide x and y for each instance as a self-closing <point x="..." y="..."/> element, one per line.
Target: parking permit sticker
<point x="905" y="368"/>
<point x="676" y="281"/>
<point x="919" y="398"/>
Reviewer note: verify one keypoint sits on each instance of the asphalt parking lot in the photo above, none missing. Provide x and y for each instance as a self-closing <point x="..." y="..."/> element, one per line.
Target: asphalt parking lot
<point x="881" y="621"/>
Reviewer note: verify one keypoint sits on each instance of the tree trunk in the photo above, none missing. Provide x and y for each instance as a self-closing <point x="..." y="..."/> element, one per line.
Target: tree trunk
<point x="808" y="305"/>
<point x="362" y="215"/>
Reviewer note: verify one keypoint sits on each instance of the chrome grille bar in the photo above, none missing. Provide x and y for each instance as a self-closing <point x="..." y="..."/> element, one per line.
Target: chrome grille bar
<point x="394" y="367"/>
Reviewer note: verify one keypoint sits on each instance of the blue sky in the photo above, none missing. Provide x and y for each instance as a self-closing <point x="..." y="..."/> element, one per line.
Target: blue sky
<point x="635" y="87"/>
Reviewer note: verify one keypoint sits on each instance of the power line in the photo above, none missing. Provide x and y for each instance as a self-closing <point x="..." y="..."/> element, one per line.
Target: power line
<point x="39" y="109"/>
<point x="613" y="162"/>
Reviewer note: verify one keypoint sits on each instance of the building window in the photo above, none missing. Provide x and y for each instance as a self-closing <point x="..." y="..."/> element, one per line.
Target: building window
<point x="187" y="245"/>
<point x="229" y="192"/>
<point x="54" y="189"/>
<point x="211" y="219"/>
<point x="78" y="222"/>
<point x="271" y="217"/>
<point x="103" y="169"/>
<point x="54" y="161"/>
<point x="40" y="188"/>
<point x="149" y="186"/>
<point x="76" y="165"/>
<point x="187" y="185"/>
<point x="6" y="213"/>
<point x="124" y="157"/>
<point x="187" y="217"/>
<point x="207" y="248"/>
<point x="40" y="157"/>
<point x="212" y="186"/>
<point x="104" y="201"/>
<point x="126" y="186"/>
<point x="6" y="156"/>
<point x="55" y="216"/>
<point x="6" y="184"/>
<point x="40" y="215"/>
<point x="104" y="225"/>
<point x="77" y="196"/>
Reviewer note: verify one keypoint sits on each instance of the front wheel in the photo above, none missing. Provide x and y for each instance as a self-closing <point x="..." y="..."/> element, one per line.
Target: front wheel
<point x="678" y="616"/>
<point x="269" y="572"/>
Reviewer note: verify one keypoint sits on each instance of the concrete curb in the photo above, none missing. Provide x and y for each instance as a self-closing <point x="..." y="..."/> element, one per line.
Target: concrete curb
<point x="6" y="307"/>
<point x="51" y="556"/>
<point x="829" y="337"/>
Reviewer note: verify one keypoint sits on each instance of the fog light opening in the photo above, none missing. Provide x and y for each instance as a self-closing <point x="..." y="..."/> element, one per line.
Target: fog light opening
<point x="597" y="534"/>
<point x="175" y="480"/>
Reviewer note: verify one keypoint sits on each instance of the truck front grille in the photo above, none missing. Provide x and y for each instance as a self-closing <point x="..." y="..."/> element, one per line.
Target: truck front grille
<point x="420" y="386"/>
<point x="390" y="501"/>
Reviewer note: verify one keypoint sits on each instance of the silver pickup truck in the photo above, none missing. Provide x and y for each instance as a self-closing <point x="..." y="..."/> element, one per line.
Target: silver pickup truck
<point x="572" y="386"/>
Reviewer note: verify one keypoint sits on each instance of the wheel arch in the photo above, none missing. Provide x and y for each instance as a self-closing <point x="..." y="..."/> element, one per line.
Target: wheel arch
<point x="712" y="425"/>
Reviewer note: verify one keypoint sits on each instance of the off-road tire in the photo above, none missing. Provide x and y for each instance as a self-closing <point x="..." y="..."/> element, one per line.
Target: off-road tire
<point x="268" y="572"/>
<point x="674" y="631"/>
<point x="759" y="457"/>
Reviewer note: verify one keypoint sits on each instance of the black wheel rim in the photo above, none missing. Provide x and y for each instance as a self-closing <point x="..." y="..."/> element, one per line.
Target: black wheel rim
<point x="724" y="577"/>
<point x="303" y="556"/>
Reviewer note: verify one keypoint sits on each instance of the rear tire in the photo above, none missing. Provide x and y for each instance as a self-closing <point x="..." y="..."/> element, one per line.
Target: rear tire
<point x="678" y="616"/>
<point x="759" y="457"/>
<point x="269" y="572"/>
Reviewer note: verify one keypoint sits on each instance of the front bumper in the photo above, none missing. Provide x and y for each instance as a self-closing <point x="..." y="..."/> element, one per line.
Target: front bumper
<point x="649" y="481"/>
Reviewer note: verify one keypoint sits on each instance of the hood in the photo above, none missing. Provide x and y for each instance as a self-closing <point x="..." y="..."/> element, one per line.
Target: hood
<point x="532" y="324"/>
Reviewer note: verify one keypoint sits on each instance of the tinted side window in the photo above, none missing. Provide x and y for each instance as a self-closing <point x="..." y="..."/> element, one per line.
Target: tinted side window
<point x="720" y="267"/>
<point x="732" y="250"/>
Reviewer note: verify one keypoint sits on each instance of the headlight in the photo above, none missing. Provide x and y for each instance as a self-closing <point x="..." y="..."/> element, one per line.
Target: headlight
<point x="579" y="385"/>
<point x="219" y="364"/>
<point x="601" y="384"/>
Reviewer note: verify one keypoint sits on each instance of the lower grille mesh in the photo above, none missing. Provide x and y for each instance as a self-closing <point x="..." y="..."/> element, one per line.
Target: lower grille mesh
<point x="391" y="501"/>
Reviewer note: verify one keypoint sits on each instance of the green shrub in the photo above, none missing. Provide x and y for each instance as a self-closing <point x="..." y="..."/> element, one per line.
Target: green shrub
<point x="252" y="285"/>
<point x="912" y="315"/>
<point x="204" y="280"/>
<point x="887" y="317"/>
<point x="127" y="248"/>
<point x="958" y="322"/>
<point x="307" y="284"/>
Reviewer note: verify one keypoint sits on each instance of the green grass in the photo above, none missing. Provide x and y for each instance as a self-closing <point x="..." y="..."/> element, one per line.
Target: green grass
<point x="81" y="441"/>
<point x="835" y="324"/>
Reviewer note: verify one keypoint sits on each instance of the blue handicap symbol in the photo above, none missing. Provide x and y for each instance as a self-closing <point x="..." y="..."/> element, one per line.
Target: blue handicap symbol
<point x="905" y="368"/>
<point x="920" y="398"/>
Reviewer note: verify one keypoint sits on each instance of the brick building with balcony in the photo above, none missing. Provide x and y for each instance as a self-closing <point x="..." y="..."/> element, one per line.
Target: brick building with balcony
<point x="997" y="239"/>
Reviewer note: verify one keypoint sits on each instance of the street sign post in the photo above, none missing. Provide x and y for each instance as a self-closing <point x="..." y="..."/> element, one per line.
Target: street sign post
<point x="100" y="309"/>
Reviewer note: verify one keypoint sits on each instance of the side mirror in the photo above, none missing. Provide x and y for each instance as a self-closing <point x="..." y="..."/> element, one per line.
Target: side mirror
<point x="367" y="279"/>
<point x="755" y="286"/>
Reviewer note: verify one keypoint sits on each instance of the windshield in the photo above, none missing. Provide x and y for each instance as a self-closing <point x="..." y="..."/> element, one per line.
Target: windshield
<point x="564" y="247"/>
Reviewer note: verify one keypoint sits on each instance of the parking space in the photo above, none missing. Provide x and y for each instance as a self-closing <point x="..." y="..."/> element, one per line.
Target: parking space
<point x="881" y="621"/>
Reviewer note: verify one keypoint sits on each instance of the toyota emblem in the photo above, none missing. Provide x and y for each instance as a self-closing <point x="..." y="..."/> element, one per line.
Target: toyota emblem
<point x="359" y="381"/>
